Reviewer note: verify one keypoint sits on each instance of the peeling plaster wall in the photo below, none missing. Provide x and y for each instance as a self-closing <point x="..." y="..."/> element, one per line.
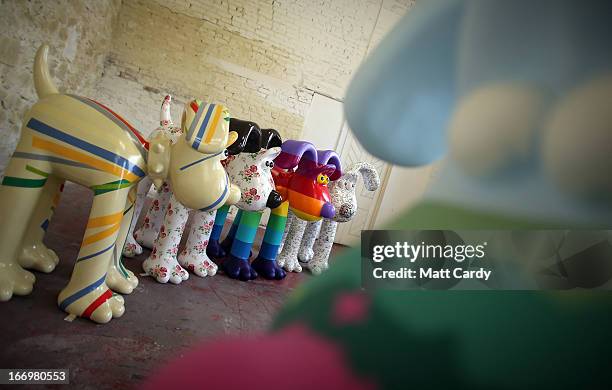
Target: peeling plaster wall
<point x="79" y="35"/>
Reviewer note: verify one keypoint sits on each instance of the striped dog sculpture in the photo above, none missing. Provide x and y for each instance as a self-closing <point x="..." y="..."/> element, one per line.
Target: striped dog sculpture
<point x="66" y="137"/>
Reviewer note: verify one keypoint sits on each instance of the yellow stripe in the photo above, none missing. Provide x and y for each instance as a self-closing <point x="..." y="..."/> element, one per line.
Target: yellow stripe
<point x="101" y="235"/>
<point x="105" y="220"/>
<point x="213" y="125"/>
<point x="282" y="209"/>
<point x="83" y="158"/>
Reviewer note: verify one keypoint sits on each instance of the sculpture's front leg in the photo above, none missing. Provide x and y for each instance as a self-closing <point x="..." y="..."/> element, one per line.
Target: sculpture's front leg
<point x="194" y="257"/>
<point x="132" y="247"/>
<point x="162" y="263"/>
<point x="323" y="246"/>
<point x="289" y="255"/>
<point x="147" y="233"/>
<point x="311" y="233"/>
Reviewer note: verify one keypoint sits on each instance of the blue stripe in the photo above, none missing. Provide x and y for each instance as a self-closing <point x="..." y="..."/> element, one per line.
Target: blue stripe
<point x="216" y="202"/>
<point x="215" y="234"/>
<point x="79" y="294"/>
<point x="268" y="251"/>
<point x="199" y="161"/>
<point x="195" y="121"/>
<point x="95" y="254"/>
<point x="241" y="249"/>
<point x="273" y="236"/>
<point x="198" y="138"/>
<point x="45" y="224"/>
<point x="43" y="128"/>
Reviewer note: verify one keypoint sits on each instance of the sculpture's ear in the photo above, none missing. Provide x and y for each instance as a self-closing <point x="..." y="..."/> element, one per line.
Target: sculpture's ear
<point x="294" y="153"/>
<point x="231" y="138"/>
<point x="371" y="178"/>
<point x="206" y="126"/>
<point x="270" y="138"/>
<point x="330" y="157"/>
<point x="158" y="160"/>
<point x="269" y="154"/>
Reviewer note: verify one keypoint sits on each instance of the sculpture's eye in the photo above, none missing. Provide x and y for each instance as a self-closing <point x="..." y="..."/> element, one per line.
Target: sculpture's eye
<point x="226" y="153"/>
<point x="270" y="164"/>
<point x="322" y="179"/>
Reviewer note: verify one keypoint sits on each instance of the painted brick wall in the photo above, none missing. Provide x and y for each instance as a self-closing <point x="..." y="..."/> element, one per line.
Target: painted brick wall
<point x="79" y="34"/>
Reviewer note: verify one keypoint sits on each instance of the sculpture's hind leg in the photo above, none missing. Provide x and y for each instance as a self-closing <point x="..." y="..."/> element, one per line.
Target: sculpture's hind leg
<point x="34" y="254"/>
<point x="20" y="191"/>
<point x="87" y="294"/>
<point x="119" y="278"/>
<point x="131" y="247"/>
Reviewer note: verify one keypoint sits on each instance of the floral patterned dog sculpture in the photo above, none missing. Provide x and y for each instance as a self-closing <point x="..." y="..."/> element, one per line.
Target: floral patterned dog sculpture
<point x="304" y="191"/>
<point x="132" y="247"/>
<point x="299" y="215"/>
<point x="319" y="236"/>
<point x="254" y="196"/>
<point x="248" y="168"/>
<point x="74" y="138"/>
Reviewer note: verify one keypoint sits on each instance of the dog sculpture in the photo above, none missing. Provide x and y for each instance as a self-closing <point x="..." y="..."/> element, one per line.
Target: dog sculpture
<point x="248" y="167"/>
<point x="299" y="215"/>
<point x="318" y="238"/>
<point x="301" y="175"/>
<point x="67" y="137"/>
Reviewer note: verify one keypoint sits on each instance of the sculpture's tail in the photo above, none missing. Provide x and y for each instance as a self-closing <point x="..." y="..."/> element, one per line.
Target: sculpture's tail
<point x="42" y="79"/>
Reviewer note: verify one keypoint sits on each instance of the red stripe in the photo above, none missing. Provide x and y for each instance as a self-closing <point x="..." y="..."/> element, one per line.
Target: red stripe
<point x="95" y="304"/>
<point x="194" y="106"/>
<point x="142" y="140"/>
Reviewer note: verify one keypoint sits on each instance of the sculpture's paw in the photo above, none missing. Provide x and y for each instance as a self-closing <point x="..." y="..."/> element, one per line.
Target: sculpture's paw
<point x="215" y="250"/>
<point x="317" y="266"/>
<point x="268" y="269"/>
<point x="121" y="280"/>
<point x="237" y="268"/>
<point x="165" y="269"/>
<point x="146" y="237"/>
<point x="306" y="254"/>
<point x="99" y="305"/>
<point x="131" y="247"/>
<point x="289" y="264"/>
<point x="15" y="280"/>
<point x="38" y="257"/>
<point x="198" y="263"/>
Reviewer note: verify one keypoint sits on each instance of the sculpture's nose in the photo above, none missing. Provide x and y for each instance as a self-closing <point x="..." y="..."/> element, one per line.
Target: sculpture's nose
<point x="328" y="210"/>
<point x="274" y="200"/>
<point x="347" y="211"/>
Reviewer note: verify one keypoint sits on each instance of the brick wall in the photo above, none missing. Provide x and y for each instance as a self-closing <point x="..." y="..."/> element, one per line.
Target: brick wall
<point x="79" y="34"/>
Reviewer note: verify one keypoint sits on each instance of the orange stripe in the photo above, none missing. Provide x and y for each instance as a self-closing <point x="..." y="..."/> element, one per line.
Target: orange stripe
<point x="213" y="125"/>
<point x="101" y="235"/>
<point x="304" y="203"/>
<point x="83" y="158"/>
<point x="105" y="220"/>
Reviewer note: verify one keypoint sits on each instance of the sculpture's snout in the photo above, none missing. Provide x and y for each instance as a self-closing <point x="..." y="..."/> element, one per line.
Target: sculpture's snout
<point x="274" y="200"/>
<point x="328" y="210"/>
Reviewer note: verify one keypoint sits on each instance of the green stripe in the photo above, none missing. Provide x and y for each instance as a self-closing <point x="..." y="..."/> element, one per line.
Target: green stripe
<point x="250" y="219"/>
<point x="112" y="186"/>
<point x="276" y="222"/>
<point x="21" y="182"/>
<point x="36" y="171"/>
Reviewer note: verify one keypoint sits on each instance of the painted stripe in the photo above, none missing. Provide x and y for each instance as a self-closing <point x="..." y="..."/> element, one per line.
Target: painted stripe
<point x="82" y="157"/>
<point x="53" y="159"/>
<point x="273" y="235"/>
<point x="22" y="182"/>
<point x="305" y="204"/>
<point x="36" y="171"/>
<point x="97" y="303"/>
<point x="105" y="220"/>
<point x="283" y="209"/>
<point x="112" y="186"/>
<point x="199" y="161"/>
<point x="198" y="138"/>
<point x="137" y="139"/>
<point x="81" y="293"/>
<point x="268" y="251"/>
<point x="119" y="265"/>
<point x="195" y="121"/>
<point x="45" y="224"/>
<point x="100" y="235"/>
<point x="122" y="162"/>
<point x="241" y="250"/>
<point x="221" y="198"/>
<point x="213" y="126"/>
<point x="128" y="209"/>
<point x="95" y="254"/>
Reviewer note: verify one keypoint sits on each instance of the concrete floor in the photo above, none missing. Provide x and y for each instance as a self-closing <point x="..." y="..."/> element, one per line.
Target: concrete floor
<point x="159" y="322"/>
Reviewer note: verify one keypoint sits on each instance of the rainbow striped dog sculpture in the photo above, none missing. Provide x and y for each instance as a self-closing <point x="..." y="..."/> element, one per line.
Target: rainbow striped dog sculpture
<point x="304" y="192"/>
<point x="66" y="137"/>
